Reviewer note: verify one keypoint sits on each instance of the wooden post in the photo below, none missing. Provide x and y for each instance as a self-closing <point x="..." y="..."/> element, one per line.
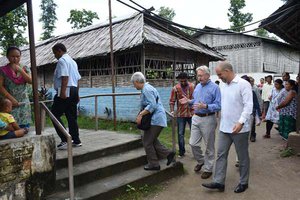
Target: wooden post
<point x="298" y="106"/>
<point x="174" y="68"/>
<point x="112" y="65"/>
<point x="96" y="113"/>
<point x="143" y="68"/>
<point x="36" y="105"/>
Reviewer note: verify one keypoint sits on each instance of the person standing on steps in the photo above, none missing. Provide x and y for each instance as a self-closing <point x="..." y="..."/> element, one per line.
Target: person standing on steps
<point x="150" y="103"/>
<point x="66" y="77"/>
<point x="184" y="112"/>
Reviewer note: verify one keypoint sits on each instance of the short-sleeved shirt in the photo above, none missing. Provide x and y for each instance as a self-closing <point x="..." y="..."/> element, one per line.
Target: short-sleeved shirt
<point x="7" y="118"/>
<point x="2" y="125"/>
<point x="66" y="66"/>
<point x="266" y="91"/>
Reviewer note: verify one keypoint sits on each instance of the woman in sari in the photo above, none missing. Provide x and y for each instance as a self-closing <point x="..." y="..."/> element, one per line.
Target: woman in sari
<point x="14" y="80"/>
<point x="272" y="114"/>
<point x="287" y="106"/>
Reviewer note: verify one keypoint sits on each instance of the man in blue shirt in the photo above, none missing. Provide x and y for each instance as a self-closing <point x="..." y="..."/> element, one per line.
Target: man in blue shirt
<point x="206" y="103"/>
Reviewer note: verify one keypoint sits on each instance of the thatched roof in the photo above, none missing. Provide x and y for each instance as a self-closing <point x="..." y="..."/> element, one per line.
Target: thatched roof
<point x="127" y="33"/>
<point x="285" y="22"/>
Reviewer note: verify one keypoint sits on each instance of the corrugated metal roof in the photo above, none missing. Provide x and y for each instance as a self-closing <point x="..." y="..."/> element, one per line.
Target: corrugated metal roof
<point x="95" y="41"/>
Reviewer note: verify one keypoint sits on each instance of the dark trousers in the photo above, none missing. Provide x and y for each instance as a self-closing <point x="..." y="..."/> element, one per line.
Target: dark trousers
<point x="181" y="123"/>
<point x="153" y="148"/>
<point x="269" y="126"/>
<point x="253" y="129"/>
<point x="68" y="107"/>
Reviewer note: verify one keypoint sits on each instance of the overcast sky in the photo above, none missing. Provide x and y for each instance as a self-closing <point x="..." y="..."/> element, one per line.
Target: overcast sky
<point x="195" y="13"/>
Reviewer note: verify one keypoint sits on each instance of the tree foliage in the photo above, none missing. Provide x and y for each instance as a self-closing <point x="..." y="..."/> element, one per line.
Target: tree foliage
<point x="236" y="17"/>
<point x="80" y="19"/>
<point x="48" y="18"/>
<point x="188" y="31"/>
<point x="262" y="32"/>
<point x="12" y="28"/>
<point x="166" y="12"/>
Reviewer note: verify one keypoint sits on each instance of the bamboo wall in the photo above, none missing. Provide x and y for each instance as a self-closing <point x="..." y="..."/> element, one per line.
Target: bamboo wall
<point x="253" y="54"/>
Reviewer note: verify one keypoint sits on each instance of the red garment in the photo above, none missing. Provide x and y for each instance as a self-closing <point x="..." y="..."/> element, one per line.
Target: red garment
<point x="19" y="80"/>
<point x="183" y="110"/>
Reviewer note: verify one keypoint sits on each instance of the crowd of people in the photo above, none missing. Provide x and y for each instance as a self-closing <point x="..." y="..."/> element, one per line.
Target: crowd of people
<point x="240" y="104"/>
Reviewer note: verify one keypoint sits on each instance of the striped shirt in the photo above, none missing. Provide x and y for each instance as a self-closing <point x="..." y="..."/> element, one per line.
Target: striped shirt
<point x="183" y="110"/>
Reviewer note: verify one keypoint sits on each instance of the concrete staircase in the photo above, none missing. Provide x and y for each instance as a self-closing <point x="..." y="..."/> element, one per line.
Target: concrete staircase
<point x="104" y="166"/>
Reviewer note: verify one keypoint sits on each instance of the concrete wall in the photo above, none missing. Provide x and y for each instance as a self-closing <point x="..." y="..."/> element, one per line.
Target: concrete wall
<point x="27" y="167"/>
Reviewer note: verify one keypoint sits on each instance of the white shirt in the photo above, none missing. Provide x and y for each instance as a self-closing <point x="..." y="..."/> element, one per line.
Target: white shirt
<point x="236" y="105"/>
<point x="66" y="66"/>
<point x="266" y="91"/>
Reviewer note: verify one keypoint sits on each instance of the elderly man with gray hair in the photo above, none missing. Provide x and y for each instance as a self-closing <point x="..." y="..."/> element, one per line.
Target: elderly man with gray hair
<point x="206" y="102"/>
<point x="151" y="103"/>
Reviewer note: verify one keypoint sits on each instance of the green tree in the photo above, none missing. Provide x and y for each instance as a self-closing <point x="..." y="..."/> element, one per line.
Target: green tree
<point x="48" y="18"/>
<point x="12" y="28"/>
<point x="166" y="12"/>
<point x="236" y="17"/>
<point x="80" y="19"/>
<point x="262" y="32"/>
<point x="188" y="31"/>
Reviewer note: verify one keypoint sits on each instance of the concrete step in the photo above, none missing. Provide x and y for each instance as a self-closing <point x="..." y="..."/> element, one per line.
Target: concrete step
<point x="87" y="153"/>
<point x="110" y="187"/>
<point x="100" y="168"/>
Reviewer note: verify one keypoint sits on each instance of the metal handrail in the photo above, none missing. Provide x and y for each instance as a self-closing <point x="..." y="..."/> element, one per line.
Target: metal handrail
<point x="70" y="153"/>
<point x="69" y="138"/>
<point x="173" y="130"/>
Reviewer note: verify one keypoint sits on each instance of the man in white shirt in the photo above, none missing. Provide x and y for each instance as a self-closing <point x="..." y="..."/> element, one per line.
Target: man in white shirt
<point x="266" y="93"/>
<point x="236" y="108"/>
<point x="66" y="77"/>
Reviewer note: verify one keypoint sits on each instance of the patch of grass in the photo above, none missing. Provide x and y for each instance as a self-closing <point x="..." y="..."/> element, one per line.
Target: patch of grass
<point x="287" y="152"/>
<point x="138" y="193"/>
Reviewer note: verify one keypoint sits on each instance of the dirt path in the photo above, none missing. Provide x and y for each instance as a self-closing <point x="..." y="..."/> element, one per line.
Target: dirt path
<point x="271" y="177"/>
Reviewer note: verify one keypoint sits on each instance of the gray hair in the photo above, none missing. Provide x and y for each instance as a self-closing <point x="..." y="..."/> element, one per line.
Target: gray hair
<point x="203" y="68"/>
<point x="223" y="65"/>
<point x="139" y="77"/>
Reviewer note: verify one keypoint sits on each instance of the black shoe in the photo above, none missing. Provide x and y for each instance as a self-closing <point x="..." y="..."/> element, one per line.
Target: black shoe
<point x="252" y="139"/>
<point x="154" y="168"/>
<point x="218" y="186"/>
<point x="170" y="158"/>
<point x="241" y="188"/>
<point x="198" y="167"/>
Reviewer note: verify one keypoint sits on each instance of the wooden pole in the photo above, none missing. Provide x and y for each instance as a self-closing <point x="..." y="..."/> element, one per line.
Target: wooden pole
<point x="112" y="65"/>
<point x="298" y="105"/>
<point x="36" y="105"/>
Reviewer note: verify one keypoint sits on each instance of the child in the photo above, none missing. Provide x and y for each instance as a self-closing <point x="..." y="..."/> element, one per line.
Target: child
<point x="12" y="129"/>
<point x="3" y="125"/>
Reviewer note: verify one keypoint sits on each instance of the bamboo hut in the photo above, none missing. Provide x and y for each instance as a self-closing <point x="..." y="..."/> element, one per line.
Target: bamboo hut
<point x="141" y="43"/>
<point x="250" y="54"/>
